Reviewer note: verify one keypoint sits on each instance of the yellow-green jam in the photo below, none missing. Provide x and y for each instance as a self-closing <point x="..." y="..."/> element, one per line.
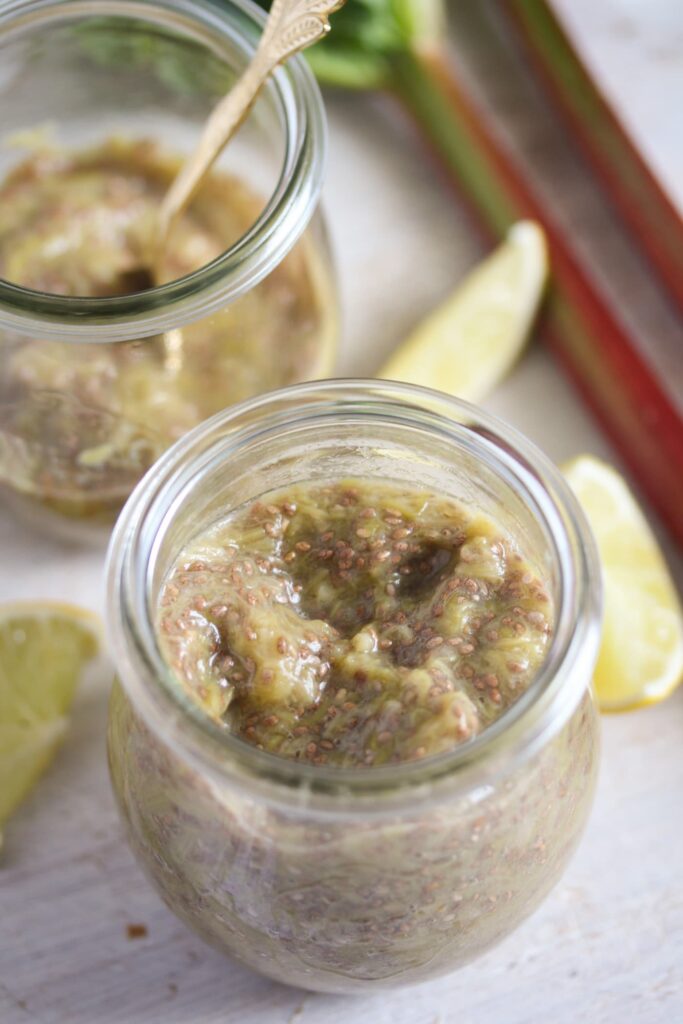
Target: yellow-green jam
<point x="355" y="623"/>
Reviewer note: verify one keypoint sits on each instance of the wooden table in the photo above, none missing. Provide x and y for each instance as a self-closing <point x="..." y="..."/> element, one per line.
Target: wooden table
<point x="606" y="947"/>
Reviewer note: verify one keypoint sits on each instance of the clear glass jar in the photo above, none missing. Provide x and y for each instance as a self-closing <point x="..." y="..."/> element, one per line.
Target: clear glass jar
<point x="333" y="879"/>
<point x="93" y="389"/>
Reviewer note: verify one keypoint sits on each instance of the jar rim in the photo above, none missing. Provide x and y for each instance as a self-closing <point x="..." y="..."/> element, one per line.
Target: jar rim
<point x="528" y="723"/>
<point x="252" y="257"/>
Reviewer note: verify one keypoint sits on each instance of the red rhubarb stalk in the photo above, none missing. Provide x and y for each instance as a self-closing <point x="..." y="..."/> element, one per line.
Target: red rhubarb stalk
<point x="581" y="326"/>
<point x="628" y="181"/>
<point x="398" y="45"/>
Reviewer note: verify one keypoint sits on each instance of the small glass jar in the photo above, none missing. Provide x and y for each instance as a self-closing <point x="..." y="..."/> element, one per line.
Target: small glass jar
<point x="92" y="389"/>
<point x="344" y="880"/>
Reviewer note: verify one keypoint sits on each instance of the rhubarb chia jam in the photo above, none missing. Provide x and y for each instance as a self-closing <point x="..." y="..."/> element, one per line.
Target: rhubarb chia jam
<point x="354" y="623"/>
<point x="102" y="367"/>
<point x="353" y="740"/>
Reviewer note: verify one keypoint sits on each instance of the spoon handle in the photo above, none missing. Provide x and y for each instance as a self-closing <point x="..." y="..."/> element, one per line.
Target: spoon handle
<point x="292" y="25"/>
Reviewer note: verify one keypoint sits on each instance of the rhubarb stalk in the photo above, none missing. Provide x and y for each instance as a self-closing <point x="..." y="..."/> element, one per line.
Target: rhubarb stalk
<point x="627" y="179"/>
<point x="398" y="46"/>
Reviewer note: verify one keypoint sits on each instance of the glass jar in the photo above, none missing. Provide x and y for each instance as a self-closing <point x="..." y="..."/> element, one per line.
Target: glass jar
<point x="334" y="879"/>
<point x="92" y="389"/>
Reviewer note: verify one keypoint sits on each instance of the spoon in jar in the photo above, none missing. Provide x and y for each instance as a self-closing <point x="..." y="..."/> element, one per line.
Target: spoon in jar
<point x="291" y="26"/>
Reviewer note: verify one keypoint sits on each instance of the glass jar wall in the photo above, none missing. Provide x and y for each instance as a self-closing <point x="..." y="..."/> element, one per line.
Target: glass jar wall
<point x="341" y="879"/>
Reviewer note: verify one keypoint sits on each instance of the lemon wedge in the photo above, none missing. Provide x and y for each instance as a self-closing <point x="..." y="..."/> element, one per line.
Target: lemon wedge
<point x="469" y="344"/>
<point x="641" y="654"/>
<point x="44" y="648"/>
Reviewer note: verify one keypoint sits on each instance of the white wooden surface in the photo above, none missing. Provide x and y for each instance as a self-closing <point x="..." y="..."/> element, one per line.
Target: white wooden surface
<point x="607" y="946"/>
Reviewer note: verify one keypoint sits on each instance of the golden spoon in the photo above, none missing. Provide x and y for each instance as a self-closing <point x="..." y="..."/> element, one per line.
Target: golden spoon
<point x="291" y="26"/>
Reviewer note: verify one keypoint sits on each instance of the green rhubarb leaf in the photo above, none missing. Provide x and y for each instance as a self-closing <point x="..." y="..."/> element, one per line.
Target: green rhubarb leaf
<point x="368" y="35"/>
<point x="180" y="64"/>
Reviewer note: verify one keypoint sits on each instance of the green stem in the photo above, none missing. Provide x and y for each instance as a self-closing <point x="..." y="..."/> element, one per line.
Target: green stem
<point x="421" y="83"/>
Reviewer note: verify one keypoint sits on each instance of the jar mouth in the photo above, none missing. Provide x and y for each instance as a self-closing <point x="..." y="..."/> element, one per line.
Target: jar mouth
<point x="297" y="100"/>
<point x="545" y="706"/>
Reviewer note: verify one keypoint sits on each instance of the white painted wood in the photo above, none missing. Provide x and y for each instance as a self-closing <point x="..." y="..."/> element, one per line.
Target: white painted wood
<point x="607" y="946"/>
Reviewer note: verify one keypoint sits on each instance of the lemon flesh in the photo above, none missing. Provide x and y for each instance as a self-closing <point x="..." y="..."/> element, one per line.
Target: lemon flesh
<point x="468" y="345"/>
<point x="44" y="648"/>
<point x="641" y="655"/>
